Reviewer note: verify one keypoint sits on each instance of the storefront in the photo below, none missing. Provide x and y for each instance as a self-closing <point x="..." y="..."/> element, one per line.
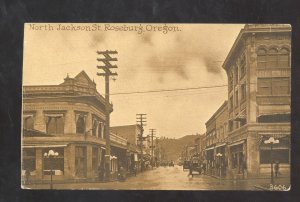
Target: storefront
<point x="221" y="160"/>
<point x="73" y="162"/>
<point x="237" y="159"/>
<point x="210" y="160"/>
<point x="280" y="153"/>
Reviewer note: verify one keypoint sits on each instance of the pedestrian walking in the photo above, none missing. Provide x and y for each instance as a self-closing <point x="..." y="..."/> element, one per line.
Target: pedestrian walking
<point x="204" y="168"/>
<point x="191" y="170"/>
<point x="134" y="169"/>
<point x="276" y="168"/>
<point x="122" y="174"/>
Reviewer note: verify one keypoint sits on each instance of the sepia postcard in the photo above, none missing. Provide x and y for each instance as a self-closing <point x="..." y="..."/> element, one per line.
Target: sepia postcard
<point x="128" y="106"/>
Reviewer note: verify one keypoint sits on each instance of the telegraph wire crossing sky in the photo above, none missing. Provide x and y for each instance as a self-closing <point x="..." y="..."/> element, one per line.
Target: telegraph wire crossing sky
<point x="176" y="78"/>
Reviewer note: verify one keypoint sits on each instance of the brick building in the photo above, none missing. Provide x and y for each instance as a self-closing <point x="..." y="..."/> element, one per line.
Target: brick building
<point x="131" y="133"/>
<point x="258" y="68"/>
<point x="69" y="119"/>
<point x="216" y="141"/>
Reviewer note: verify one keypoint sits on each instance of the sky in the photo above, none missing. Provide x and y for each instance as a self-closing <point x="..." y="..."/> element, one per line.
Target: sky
<point x="149" y="59"/>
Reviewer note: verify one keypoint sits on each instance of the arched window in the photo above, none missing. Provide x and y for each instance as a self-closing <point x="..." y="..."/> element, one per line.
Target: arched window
<point x="272" y="59"/>
<point x="284" y="58"/>
<point x="80" y="124"/>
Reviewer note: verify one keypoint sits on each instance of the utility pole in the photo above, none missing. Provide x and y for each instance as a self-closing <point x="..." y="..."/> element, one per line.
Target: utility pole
<point x="141" y="120"/>
<point x="108" y="109"/>
<point x="152" y="134"/>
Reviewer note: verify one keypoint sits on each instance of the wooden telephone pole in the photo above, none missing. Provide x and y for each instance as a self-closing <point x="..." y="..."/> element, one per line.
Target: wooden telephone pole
<point x="152" y="134"/>
<point x="141" y="120"/>
<point x="107" y="73"/>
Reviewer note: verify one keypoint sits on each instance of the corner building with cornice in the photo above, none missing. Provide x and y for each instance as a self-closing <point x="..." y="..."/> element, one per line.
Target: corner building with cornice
<point x="69" y="119"/>
<point x="258" y="68"/>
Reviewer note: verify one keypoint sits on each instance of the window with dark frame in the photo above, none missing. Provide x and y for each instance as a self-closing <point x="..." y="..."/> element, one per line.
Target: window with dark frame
<point x="100" y="130"/>
<point x="95" y="159"/>
<point x="56" y="164"/>
<point x="80" y="124"/>
<point x="236" y="98"/>
<point x="261" y="58"/>
<point x="273" y="86"/>
<point x="230" y="81"/>
<point x="280" y="155"/>
<point x="243" y="66"/>
<point x="236" y="75"/>
<point x="95" y="126"/>
<point x="273" y="58"/>
<point x="54" y="124"/>
<point x="243" y="92"/>
<point x="231" y="103"/>
<point x="29" y="159"/>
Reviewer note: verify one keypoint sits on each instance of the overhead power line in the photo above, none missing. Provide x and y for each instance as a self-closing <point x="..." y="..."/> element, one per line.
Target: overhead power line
<point x="169" y="90"/>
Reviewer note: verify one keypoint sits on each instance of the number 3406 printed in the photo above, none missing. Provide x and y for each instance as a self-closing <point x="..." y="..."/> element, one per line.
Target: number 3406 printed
<point x="279" y="187"/>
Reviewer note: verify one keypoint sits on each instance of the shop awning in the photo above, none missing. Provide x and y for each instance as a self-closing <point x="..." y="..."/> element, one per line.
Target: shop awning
<point x="236" y="143"/>
<point x="210" y="148"/>
<point x="221" y="145"/>
<point x="44" y="146"/>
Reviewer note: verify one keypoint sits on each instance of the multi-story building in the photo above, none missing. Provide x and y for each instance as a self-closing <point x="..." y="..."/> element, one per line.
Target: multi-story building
<point x="258" y="67"/>
<point x="216" y="141"/>
<point x="132" y="134"/>
<point x="69" y="119"/>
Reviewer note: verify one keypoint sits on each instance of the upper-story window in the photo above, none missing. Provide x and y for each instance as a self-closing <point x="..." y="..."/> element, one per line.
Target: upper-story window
<point x="236" y="98"/>
<point x="273" y="86"/>
<point x="273" y="58"/>
<point x="236" y="75"/>
<point x="101" y="130"/>
<point x="230" y="103"/>
<point x="230" y="81"/>
<point x="261" y="58"/>
<point x="28" y="121"/>
<point x="284" y="58"/>
<point x="80" y="123"/>
<point x="54" y="123"/>
<point x="95" y="126"/>
<point x="243" y="66"/>
<point x="243" y="92"/>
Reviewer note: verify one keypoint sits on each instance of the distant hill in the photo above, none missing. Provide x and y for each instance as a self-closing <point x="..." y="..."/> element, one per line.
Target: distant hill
<point x="172" y="148"/>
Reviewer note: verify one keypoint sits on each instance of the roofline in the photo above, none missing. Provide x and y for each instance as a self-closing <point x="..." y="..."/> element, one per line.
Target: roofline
<point x="248" y="30"/>
<point x="217" y="112"/>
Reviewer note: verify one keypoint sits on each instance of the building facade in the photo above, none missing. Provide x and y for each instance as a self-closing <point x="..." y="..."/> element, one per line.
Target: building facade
<point x="131" y="133"/>
<point x="69" y="119"/>
<point x="258" y="68"/>
<point x="216" y="141"/>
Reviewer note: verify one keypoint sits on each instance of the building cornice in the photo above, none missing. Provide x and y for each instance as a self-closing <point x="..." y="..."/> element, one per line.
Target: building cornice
<point x="250" y="29"/>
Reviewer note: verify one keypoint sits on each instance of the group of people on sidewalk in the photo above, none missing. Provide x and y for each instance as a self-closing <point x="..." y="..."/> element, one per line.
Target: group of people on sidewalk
<point x="121" y="174"/>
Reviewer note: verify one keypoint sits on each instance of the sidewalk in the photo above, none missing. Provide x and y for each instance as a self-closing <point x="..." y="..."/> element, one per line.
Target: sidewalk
<point x="263" y="183"/>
